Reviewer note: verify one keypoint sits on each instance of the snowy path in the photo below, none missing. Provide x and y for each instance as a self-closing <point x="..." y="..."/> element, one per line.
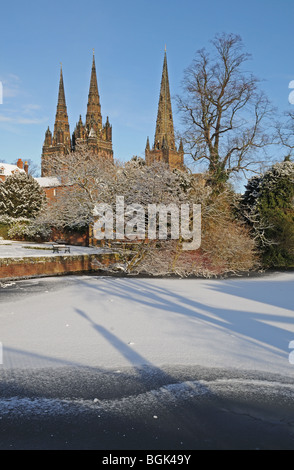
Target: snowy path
<point x="15" y="249"/>
<point x="110" y="323"/>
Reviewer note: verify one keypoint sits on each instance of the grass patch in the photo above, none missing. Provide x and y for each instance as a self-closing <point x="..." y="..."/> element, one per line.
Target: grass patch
<point x="4" y="230"/>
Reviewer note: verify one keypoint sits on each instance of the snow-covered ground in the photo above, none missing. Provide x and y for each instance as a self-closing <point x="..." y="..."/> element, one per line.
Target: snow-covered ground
<point x="111" y="323"/>
<point x="93" y="362"/>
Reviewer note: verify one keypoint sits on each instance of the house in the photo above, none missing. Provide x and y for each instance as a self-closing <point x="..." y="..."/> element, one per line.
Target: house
<point x="7" y="169"/>
<point x="50" y="185"/>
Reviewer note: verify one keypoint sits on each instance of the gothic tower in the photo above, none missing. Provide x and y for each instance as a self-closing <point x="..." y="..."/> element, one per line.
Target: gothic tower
<point x="60" y="142"/>
<point x="164" y="148"/>
<point x="97" y="137"/>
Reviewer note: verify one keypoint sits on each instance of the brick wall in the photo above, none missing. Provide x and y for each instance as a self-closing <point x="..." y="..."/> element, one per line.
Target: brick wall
<point x="14" y="268"/>
<point x="71" y="238"/>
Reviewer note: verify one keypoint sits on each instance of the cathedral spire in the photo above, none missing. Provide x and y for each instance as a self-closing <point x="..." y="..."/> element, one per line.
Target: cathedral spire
<point x="164" y="123"/>
<point x="60" y="142"/>
<point x="164" y="148"/>
<point x="93" y="117"/>
<point x="61" y="118"/>
<point x="61" y="94"/>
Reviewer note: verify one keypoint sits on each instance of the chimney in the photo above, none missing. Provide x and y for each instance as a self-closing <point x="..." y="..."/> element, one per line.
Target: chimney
<point x="26" y="167"/>
<point x="20" y="163"/>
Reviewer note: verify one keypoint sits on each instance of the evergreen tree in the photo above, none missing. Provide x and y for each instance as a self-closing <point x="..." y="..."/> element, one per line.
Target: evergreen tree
<point x="21" y="196"/>
<point x="268" y="206"/>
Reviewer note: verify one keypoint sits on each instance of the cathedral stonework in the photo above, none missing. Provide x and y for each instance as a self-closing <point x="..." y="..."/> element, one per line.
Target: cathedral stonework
<point x="96" y="136"/>
<point x="164" y="147"/>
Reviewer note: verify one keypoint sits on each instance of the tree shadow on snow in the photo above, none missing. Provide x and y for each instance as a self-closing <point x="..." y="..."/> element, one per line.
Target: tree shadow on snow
<point x="256" y="324"/>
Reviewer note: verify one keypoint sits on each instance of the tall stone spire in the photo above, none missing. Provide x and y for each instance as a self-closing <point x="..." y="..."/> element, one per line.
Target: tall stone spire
<point x="164" y="123"/>
<point x="61" y="126"/>
<point x="60" y="142"/>
<point x="94" y="117"/>
<point x="164" y="148"/>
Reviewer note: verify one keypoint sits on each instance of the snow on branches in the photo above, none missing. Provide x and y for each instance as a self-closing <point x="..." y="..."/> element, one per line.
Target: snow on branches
<point x="21" y="196"/>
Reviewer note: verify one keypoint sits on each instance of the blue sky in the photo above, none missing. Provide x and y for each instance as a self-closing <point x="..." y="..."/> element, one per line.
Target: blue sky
<point x="129" y="37"/>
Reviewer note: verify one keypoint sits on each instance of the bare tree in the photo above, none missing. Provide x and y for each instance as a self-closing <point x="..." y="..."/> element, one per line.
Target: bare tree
<point x="84" y="179"/>
<point x="87" y="180"/>
<point x="33" y="167"/>
<point x="285" y="133"/>
<point x="223" y="109"/>
<point x="83" y="171"/>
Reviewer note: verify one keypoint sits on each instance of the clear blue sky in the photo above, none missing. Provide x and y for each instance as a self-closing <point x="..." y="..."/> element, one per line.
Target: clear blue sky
<point x="129" y="38"/>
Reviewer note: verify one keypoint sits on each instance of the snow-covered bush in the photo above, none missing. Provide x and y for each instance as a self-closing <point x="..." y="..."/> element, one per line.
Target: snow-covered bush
<point x="6" y="222"/>
<point x="6" y="219"/>
<point x="226" y="244"/>
<point x="21" y="196"/>
<point x="29" y="231"/>
<point x="275" y="187"/>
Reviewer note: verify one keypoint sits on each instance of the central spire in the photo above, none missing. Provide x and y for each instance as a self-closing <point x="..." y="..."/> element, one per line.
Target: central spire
<point x="164" y="123"/>
<point x="93" y="117"/>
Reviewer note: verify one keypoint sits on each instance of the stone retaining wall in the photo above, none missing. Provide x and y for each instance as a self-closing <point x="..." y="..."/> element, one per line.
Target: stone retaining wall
<point x="17" y="268"/>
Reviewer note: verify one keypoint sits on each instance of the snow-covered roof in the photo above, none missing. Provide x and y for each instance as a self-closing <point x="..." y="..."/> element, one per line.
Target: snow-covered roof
<point x="48" y="181"/>
<point x="7" y="169"/>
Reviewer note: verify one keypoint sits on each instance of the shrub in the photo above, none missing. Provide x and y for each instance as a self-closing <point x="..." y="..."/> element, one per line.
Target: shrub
<point x="21" y="196"/>
<point x="29" y="231"/>
<point x="4" y="230"/>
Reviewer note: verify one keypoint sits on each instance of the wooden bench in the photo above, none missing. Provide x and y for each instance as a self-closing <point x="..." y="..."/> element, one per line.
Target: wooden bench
<point x="59" y="248"/>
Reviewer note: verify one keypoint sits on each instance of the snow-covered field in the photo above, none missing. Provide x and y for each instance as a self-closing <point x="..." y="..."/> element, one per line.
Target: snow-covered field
<point x="113" y="323"/>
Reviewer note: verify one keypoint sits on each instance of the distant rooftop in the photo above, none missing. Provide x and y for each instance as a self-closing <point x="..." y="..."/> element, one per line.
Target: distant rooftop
<point x="7" y="169"/>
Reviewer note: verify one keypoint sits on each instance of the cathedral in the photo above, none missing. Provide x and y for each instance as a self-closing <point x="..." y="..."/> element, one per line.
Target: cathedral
<point x="98" y="137"/>
<point x="93" y="133"/>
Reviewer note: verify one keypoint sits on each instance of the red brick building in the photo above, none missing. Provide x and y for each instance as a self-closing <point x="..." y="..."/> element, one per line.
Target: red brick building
<point x="50" y="185"/>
